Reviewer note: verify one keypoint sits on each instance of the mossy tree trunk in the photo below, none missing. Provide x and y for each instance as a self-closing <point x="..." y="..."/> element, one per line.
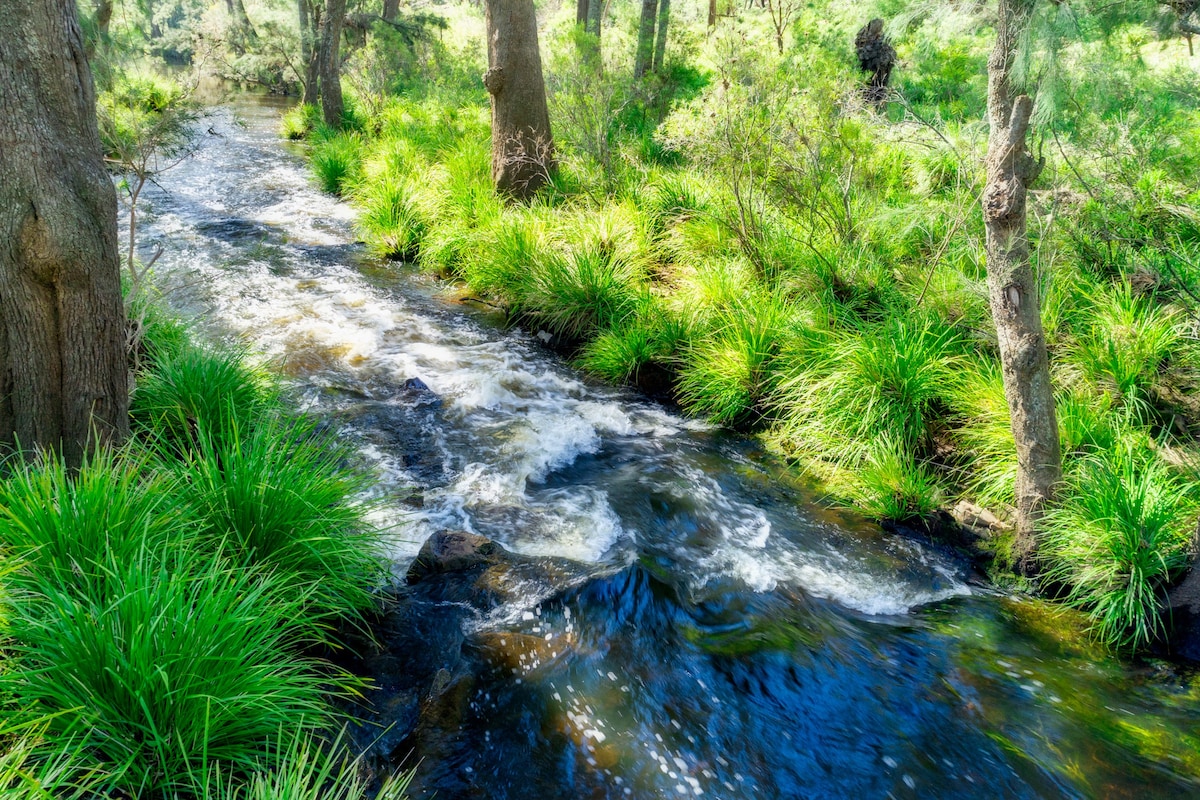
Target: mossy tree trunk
<point x="331" y="62"/>
<point x="522" y="147"/>
<point x="63" y="374"/>
<point x="1012" y="290"/>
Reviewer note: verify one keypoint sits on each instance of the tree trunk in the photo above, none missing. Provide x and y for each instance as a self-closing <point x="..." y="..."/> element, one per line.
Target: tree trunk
<point x="660" y="47"/>
<point x="581" y="12"/>
<point x="391" y="10"/>
<point x="104" y="12"/>
<point x="310" y="51"/>
<point x="712" y="13"/>
<point x="1012" y="290"/>
<point x="153" y="31"/>
<point x="331" y="62"/>
<point x="64" y="379"/>
<point x="522" y="147"/>
<point x="595" y="13"/>
<point x="645" y="40"/>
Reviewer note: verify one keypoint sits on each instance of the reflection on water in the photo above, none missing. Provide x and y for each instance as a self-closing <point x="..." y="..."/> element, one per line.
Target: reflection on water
<point x="738" y="640"/>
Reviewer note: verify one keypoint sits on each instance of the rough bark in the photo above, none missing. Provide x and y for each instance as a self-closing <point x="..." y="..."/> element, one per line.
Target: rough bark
<point x="1016" y="310"/>
<point x="331" y="62"/>
<point x="660" y="46"/>
<point x="63" y="373"/>
<point x="522" y="147"/>
<point x="644" y="56"/>
<point x="391" y="9"/>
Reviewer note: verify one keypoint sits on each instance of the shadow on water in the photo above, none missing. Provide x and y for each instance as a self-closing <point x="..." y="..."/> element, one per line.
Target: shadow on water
<point x="676" y="622"/>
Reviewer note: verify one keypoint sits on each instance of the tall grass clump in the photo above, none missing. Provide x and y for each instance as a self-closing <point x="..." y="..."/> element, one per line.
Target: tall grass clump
<point x="66" y="527"/>
<point x="892" y="379"/>
<point x="32" y="769"/>
<point x="304" y="768"/>
<point x="299" y="121"/>
<point x="199" y="388"/>
<point x="890" y="484"/>
<point x="510" y="258"/>
<point x="392" y="219"/>
<point x="336" y="160"/>
<point x="652" y="334"/>
<point x="1125" y="528"/>
<point x="729" y="373"/>
<point x="185" y="660"/>
<point x="277" y="496"/>
<point x="1127" y="341"/>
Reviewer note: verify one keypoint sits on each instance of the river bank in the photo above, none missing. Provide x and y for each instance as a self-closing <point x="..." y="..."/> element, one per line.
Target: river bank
<point x="749" y="630"/>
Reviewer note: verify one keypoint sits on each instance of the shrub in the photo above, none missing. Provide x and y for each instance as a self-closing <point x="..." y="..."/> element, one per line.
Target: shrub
<point x="1125" y="528"/>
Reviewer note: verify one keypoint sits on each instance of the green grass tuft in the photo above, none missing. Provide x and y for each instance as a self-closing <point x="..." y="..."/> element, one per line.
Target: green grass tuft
<point x="337" y="161"/>
<point x="185" y="660"/>
<point x="276" y="495"/>
<point x="195" y="389"/>
<point x="1124" y="529"/>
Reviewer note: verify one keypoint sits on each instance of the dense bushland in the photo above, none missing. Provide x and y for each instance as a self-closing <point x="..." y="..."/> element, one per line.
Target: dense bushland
<point x="801" y="263"/>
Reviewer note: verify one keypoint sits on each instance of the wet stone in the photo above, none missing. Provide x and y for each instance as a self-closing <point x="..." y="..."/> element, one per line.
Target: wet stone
<point x="452" y="551"/>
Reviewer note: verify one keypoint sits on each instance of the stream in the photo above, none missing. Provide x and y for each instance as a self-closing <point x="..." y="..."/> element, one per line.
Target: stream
<point x="736" y="638"/>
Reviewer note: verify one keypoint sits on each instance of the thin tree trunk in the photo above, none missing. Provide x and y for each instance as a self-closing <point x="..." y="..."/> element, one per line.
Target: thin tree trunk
<point x="644" y="56"/>
<point x="581" y="12"/>
<point x="1012" y="290"/>
<point x="664" y="21"/>
<point x="331" y="62"/>
<point x="310" y="51"/>
<point x="391" y="10"/>
<point x="522" y="147"/>
<point x="712" y="13"/>
<point x="63" y="374"/>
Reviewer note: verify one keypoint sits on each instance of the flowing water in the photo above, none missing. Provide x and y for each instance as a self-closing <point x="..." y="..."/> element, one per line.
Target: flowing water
<point x="739" y="640"/>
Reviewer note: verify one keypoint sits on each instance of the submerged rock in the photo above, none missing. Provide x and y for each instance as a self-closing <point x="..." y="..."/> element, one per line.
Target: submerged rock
<point x="453" y="551"/>
<point x="437" y="641"/>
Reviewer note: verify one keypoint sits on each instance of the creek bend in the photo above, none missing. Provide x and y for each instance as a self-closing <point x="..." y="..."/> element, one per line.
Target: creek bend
<point x="724" y="635"/>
